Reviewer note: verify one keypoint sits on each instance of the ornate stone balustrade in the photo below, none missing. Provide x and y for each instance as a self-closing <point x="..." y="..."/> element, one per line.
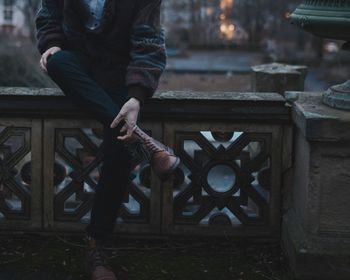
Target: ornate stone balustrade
<point x="234" y="148"/>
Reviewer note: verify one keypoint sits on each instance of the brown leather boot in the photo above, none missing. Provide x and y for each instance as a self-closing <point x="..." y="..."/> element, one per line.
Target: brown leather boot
<point x="162" y="158"/>
<point x="96" y="260"/>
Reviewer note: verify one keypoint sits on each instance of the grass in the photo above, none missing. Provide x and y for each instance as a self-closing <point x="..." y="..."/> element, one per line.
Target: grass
<point x="53" y="257"/>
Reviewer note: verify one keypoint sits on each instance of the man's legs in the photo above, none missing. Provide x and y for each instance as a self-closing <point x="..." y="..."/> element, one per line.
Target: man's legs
<point x="70" y="71"/>
<point x="111" y="188"/>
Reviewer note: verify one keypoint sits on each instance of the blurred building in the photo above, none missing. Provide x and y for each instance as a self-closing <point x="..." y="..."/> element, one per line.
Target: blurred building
<point x="176" y="19"/>
<point x="12" y="18"/>
<point x="201" y="22"/>
<point x="205" y="22"/>
<point x="193" y="23"/>
<point x="6" y="16"/>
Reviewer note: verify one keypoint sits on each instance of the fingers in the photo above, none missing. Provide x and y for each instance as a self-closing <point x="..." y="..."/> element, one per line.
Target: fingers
<point x="124" y="128"/>
<point x="129" y="128"/>
<point x="42" y="64"/>
<point x="117" y="120"/>
<point x="43" y="60"/>
<point x="129" y="115"/>
<point x="127" y="136"/>
<point x="45" y="56"/>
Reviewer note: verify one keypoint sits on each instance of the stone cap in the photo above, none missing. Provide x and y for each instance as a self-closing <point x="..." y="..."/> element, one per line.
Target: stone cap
<point x="169" y="95"/>
<point x="317" y="121"/>
<point x="280" y="68"/>
<point x="219" y="96"/>
<point x="278" y="77"/>
<point x="257" y="106"/>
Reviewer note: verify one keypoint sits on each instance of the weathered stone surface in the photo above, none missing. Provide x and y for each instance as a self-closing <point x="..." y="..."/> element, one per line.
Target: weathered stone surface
<point x="276" y="77"/>
<point x="228" y="96"/>
<point x="27" y="91"/>
<point x="291" y="96"/>
<point x="316" y="229"/>
<point x="338" y="96"/>
<point x="310" y="258"/>
<point x="319" y="122"/>
<point x="169" y="95"/>
<point x="334" y="168"/>
<point x="167" y="105"/>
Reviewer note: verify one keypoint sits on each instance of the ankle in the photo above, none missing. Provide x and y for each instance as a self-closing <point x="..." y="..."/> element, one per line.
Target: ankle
<point x="93" y="242"/>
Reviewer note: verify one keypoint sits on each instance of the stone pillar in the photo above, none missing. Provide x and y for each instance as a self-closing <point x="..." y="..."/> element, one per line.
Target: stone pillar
<point x="276" y="77"/>
<point x="316" y="228"/>
<point x="287" y="80"/>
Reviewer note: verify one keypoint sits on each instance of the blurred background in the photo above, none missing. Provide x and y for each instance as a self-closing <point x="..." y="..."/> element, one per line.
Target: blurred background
<point x="211" y="45"/>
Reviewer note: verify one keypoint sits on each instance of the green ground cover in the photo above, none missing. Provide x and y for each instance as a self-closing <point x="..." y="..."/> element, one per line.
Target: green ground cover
<point x="60" y="257"/>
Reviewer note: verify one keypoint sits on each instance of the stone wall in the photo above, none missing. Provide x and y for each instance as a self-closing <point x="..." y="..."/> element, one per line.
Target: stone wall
<point x="228" y="184"/>
<point x="316" y="228"/>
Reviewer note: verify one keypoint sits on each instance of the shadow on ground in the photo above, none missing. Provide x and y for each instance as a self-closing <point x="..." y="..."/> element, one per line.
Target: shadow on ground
<point x="25" y="257"/>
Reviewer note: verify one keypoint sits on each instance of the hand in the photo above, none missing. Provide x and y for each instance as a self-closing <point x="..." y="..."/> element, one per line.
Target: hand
<point x="45" y="56"/>
<point x="129" y="113"/>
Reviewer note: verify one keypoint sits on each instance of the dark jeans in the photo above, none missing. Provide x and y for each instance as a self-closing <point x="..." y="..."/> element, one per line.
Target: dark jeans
<point x="71" y="71"/>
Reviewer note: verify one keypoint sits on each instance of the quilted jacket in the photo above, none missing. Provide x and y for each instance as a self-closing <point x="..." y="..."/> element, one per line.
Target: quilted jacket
<point x="128" y="47"/>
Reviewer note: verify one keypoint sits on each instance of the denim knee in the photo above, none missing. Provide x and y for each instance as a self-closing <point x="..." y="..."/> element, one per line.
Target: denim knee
<point x="59" y="60"/>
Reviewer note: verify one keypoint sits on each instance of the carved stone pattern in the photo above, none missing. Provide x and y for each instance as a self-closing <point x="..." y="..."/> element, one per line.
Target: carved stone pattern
<point x="251" y="186"/>
<point x="15" y="173"/>
<point x="85" y="162"/>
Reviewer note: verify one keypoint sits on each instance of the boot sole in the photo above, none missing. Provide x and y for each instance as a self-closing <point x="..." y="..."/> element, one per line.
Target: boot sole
<point x="167" y="175"/>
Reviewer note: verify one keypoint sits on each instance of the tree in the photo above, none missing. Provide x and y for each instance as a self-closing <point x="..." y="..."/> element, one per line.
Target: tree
<point x="29" y="9"/>
<point x="20" y="58"/>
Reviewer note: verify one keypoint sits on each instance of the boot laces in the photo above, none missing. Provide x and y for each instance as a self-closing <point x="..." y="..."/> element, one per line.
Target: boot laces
<point x="138" y="152"/>
<point x="152" y="146"/>
<point x="97" y="257"/>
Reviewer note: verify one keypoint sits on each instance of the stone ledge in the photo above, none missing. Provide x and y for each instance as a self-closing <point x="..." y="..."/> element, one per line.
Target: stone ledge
<point x="260" y="107"/>
<point x="169" y="95"/>
<point x="318" y="122"/>
<point x="220" y="95"/>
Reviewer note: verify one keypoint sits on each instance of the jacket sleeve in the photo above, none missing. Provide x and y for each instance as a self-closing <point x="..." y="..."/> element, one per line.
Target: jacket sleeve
<point x="148" y="53"/>
<point x="48" y="22"/>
